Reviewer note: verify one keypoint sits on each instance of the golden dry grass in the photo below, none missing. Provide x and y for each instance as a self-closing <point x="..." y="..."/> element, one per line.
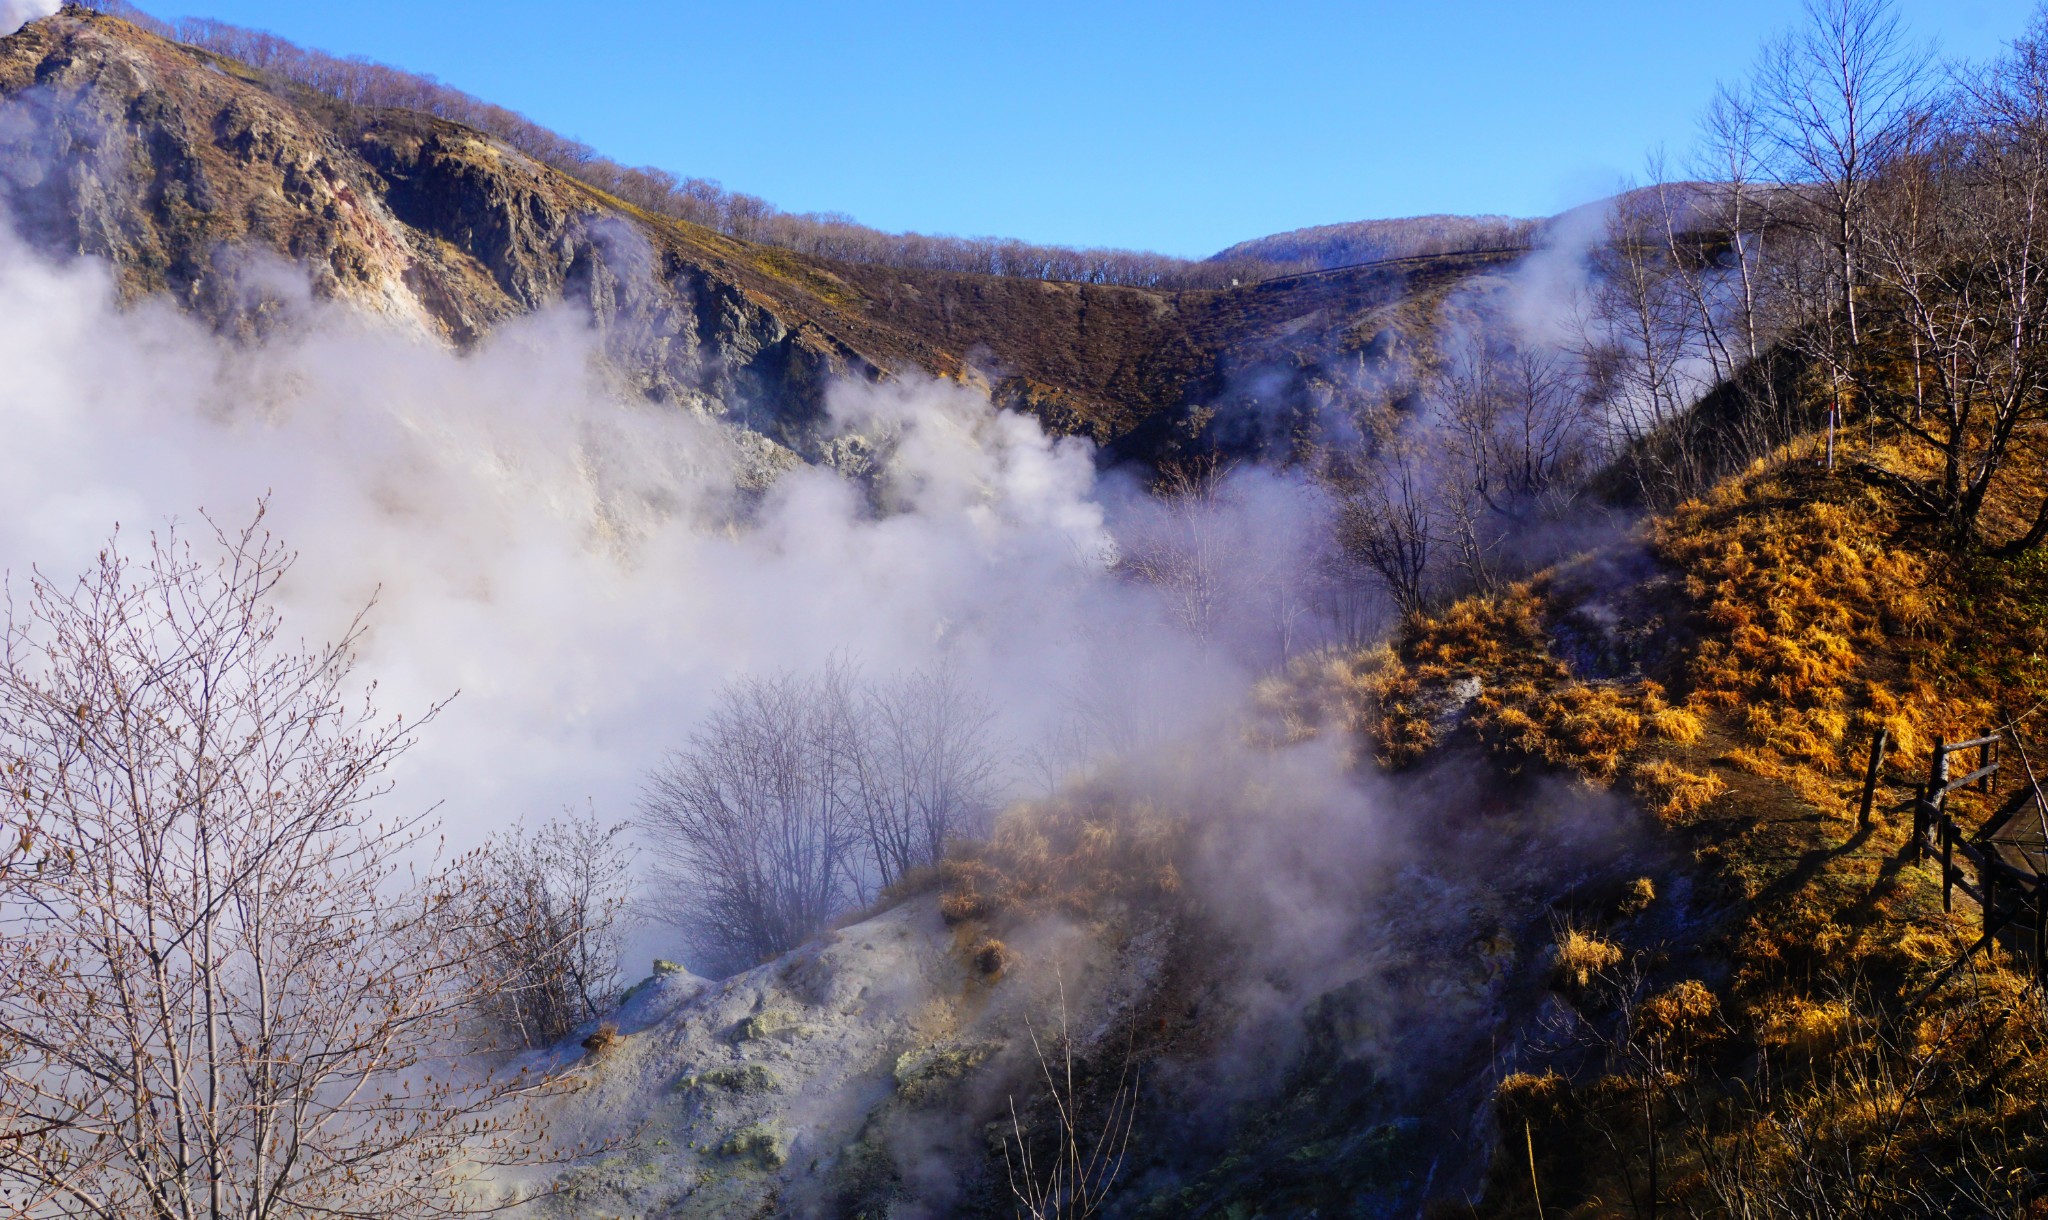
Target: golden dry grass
<point x="1806" y="601"/>
<point x="1526" y="1095"/>
<point x="1813" y="616"/>
<point x="1805" y="616"/>
<point x="1085" y="854"/>
<point x="1366" y="694"/>
<point x="991" y="956"/>
<point x="1687" y="1010"/>
<point x="1805" y="1025"/>
<point x="1637" y="899"/>
<point x="1580" y="955"/>
<point x="604" y="1039"/>
<point x="1675" y="793"/>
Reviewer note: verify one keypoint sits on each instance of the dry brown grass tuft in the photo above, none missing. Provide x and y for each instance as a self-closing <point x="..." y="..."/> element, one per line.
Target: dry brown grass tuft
<point x="1527" y="1095"/>
<point x="972" y="890"/>
<point x="1806" y="1026"/>
<point x="1674" y="792"/>
<point x="1481" y="635"/>
<point x="1580" y="955"/>
<point x="1799" y="596"/>
<point x="1086" y="854"/>
<point x="604" y="1039"/>
<point x="1588" y="728"/>
<point x="1678" y="725"/>
<point x="1806" y="615"/>
<point x="1684" y="1012"/>
<point x="1531" y="705"/>
<point x="1637" y="898"/>
<point x="1366" y="694"/>
<point x="991" y="957"/>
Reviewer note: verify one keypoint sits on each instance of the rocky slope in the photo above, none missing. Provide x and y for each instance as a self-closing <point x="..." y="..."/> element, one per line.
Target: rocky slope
<point x="199" y="177"/>
<point x="818" y="1083"/>
<point x="1307" y="1019"/>
<point x="194" y="177"/>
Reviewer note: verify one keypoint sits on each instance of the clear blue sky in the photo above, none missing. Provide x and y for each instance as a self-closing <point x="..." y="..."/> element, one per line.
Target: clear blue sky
<point x="1180" y="127"/>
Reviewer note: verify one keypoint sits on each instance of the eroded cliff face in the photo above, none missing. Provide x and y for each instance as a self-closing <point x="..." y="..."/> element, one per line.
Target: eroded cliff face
<point x="199" y="180"/>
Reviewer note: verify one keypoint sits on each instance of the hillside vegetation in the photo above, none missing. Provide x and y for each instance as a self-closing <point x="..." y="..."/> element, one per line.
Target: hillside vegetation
<point x="1782" y="1015"/>
<point x="1776" y="1016"/>
<point x="1823" y="1037"/>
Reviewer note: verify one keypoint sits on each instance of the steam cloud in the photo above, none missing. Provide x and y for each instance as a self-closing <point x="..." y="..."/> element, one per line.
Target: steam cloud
<point x="17" y="13"/>
<point x="582" y="569"/>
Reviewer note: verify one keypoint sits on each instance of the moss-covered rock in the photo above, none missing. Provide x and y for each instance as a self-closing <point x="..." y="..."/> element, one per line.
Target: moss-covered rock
<point x="928" y="1072"/>
<point x="750" y="1079"/>
<point x="768" y="1023"/>
<point x="761" y="1144"/>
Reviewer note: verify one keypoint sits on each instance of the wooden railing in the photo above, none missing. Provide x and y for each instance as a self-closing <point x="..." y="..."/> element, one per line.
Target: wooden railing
<point x="1995" y="869"/>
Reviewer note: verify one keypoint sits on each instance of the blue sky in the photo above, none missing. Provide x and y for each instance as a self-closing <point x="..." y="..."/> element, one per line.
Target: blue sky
<point x="1179" y="126"/>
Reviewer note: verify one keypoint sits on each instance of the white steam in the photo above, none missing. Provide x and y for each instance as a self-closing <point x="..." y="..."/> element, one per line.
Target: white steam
<point x="580" y="568"/>
<point x="17" y="13"/>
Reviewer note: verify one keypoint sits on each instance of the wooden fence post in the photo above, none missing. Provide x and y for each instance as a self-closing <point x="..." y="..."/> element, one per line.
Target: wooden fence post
<point x="1947" y="834"/>
<point x="1878" y="745"/>
<point x="1927" y="809"/>
<point x="1985" y="758"/>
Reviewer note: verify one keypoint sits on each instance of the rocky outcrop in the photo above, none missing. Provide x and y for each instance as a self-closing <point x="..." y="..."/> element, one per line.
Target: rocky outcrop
<point x="858" y="1071"/>
<point x="197" y="178"/>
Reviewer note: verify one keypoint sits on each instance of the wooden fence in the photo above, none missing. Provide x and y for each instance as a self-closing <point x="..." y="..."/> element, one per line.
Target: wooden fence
<point x="2003" y="865"/>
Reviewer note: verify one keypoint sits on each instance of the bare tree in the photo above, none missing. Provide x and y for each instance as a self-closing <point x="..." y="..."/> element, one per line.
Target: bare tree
<point x="924" y="769"/>
<point x="2013" y="98"/>
<point x="1068" y="1171"/>
<point x="1639" y="348"/>
<point x="751" y="823"/>
<point x="1516" y="426"/>
<point x="1474" y="401"/>
<point x="803" y="794"/>
<point x="537" y="917"/>
<point x="1837" y="97"/>
<point x="1958" y="241"/>
<point x="219" y="994"/>
<point x="1233" y="555"/>
<point x="1387" y="511"/>
<point x="1181" y="548"/>
<point x="1731" y="154"/>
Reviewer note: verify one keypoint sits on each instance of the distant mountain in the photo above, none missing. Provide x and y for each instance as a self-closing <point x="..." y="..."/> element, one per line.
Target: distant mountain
<point x="179" y="164"/>
<point x="1367" y="241"/>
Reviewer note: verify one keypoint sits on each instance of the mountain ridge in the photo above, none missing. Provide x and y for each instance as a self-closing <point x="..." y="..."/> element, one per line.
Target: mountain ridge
<point x="169" y="160"/>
